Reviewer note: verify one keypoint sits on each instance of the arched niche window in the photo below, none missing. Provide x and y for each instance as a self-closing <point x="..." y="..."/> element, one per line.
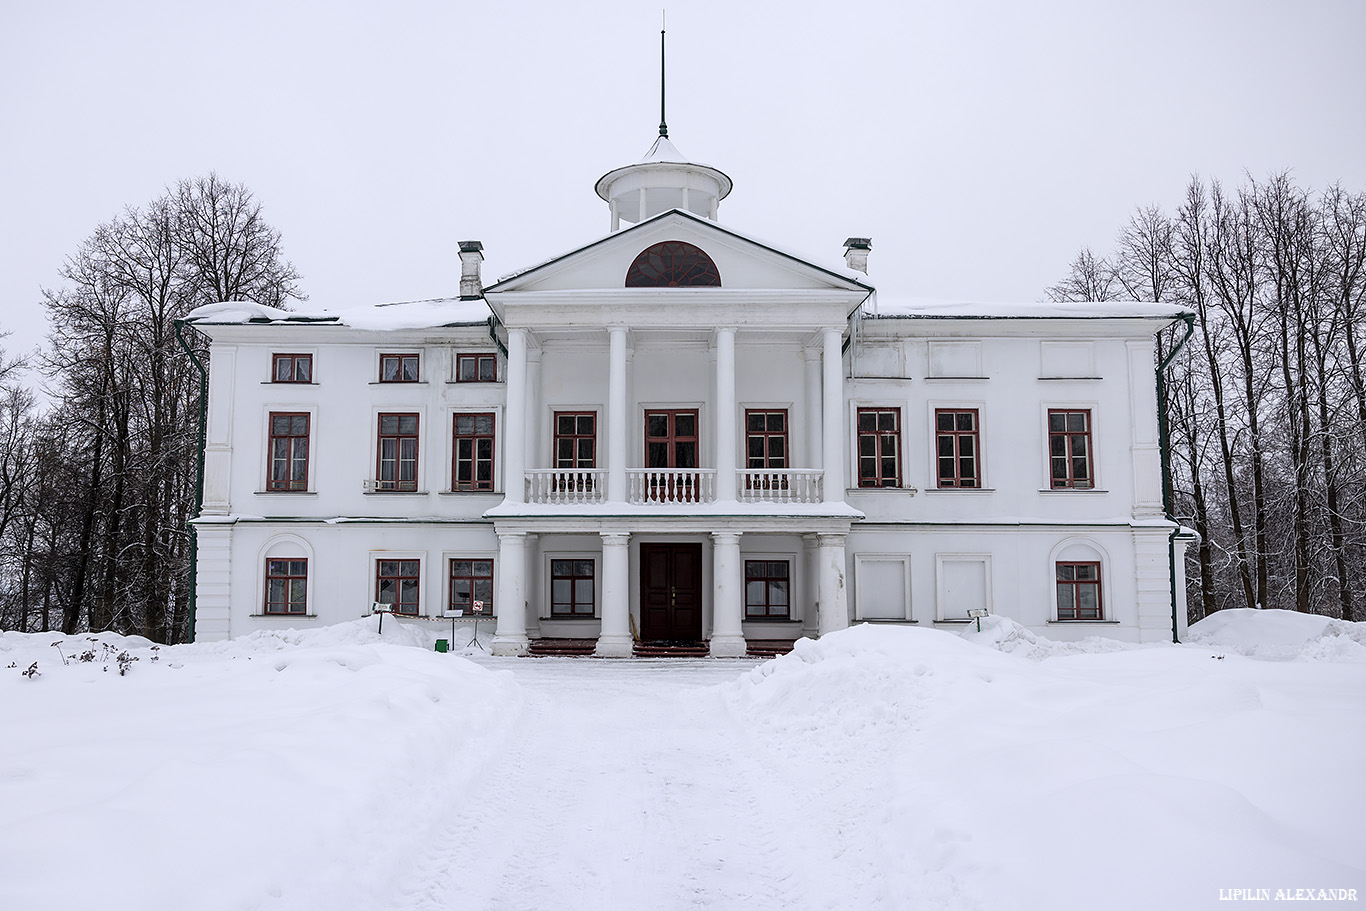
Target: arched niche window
<point x="673" y="264"/>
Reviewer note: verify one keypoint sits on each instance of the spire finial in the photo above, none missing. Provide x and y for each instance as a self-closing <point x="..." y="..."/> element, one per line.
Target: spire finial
<point x="663" y="125"/>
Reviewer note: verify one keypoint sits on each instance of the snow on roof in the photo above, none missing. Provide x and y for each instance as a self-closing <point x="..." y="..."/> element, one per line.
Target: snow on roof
<point x="663" y="150"/>
<point x="423" y="314"/>
<point x="915" y="308"/>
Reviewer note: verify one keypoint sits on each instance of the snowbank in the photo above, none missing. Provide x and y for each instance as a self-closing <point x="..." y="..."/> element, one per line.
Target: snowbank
<point x="213" y="776"/>
<point x="1281" y="635"/>
<point x="1136" y="778"/>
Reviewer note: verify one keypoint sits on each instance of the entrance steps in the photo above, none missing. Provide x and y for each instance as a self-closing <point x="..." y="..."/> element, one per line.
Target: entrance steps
<point x="562" y="648"/>
<point x="672" y="650"/>
<point x="768" y="648"/>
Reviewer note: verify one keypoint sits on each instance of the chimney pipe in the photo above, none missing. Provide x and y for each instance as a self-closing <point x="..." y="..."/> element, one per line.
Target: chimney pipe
<point x="856" y="253"/>
<point x="471" y="285"/>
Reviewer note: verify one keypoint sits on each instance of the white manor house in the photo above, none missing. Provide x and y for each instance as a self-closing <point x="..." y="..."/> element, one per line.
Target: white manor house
<point x="676" y="437"/>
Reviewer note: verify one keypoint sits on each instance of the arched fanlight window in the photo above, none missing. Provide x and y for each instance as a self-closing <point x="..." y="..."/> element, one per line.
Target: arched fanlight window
<point x="673" y="264"/>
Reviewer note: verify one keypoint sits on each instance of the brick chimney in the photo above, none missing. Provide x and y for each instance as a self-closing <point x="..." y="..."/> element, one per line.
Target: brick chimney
<point x="856" y="253"/>
<point x="471" y="255"/>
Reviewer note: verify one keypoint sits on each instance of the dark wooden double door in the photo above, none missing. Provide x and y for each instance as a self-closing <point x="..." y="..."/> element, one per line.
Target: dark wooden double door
<point x="671" y="592"/>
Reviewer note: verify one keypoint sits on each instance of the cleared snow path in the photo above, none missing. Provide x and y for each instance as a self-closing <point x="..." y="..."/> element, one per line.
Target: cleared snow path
<point x="624" y="784"/>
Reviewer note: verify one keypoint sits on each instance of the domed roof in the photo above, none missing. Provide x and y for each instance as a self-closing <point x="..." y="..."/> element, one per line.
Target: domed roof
<point x="662" y="179"/>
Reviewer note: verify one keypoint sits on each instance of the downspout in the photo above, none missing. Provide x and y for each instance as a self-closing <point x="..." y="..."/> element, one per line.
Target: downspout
<point x="199" y="470"/>
<point x="1164" y="444"/>
<point x="493" y="334"/>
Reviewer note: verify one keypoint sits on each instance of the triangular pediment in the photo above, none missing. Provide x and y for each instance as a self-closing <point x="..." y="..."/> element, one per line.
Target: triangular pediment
<point x="742" y="262"/>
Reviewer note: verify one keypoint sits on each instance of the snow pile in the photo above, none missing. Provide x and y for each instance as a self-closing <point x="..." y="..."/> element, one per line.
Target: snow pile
<point x="1142" y="778"/>
<point x="216" y="775"/>
<point x="1281" y="635"/>
<point x="1004" y="634"/>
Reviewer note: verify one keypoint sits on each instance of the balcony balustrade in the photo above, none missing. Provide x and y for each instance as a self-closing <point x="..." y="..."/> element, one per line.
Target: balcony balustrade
<point x="779" y="485"/>
<point x="562" y="486"/>
<point x="671" y="485"/>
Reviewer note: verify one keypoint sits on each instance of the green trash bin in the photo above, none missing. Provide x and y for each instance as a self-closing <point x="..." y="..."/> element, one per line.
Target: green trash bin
<point x="441" y="645"/>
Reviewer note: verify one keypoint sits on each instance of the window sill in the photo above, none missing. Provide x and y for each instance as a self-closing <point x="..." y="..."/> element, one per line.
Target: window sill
<point x="570" y="618"/>
<point x="960" y="490"/>
<point x="466" y="493"/>
<point x="954" y="622"/>
<point x="394" y="493"/>
<point x="399" y="383"/>
<point x="285" y="493"/>
<point x="956" y="379"/>
<point x="888" y="621"/>
<point x="474" y="382"/>
<point x="1083" y="623"/>
<point x="285" y="616"/>
<point x="773" y="620"/>
<point x="1072" y="490"/>
<point x="910" y="491"/>
<point x="1070" y="379"/>
<point x="287" y="383"/>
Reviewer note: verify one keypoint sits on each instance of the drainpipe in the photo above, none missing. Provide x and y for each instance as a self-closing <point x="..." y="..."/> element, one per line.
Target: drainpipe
<point x="199" y="469"/>
<point x="1164" y="444"/>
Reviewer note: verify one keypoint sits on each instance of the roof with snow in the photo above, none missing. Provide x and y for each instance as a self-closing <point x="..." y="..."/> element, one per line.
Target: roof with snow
<point x="424" y="314"/>
<point x="913" y="308"/>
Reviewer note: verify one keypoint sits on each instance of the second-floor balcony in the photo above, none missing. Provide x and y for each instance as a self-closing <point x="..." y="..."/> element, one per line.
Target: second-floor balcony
<point x="672" y="486"/>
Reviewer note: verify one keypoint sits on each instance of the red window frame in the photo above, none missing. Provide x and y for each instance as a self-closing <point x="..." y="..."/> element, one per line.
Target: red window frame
<point x="287" y="451"/>
<point x="573" y="584"/>
<point x="957" y="447"/>
<point x="472" y="450"/>
<point x="768" y="589"/>
<point x="286" y="585"/>
<point x="291" y="368"/>
<point x="1071" y="458"/>
<point x="396" y="451"/>
<point x="470" y="579"/>
<point x="1071" y="585"/>
<point x="879" y="445"/>
<point x="405" y="368"/>
<point x="766" y="438"/>
<point x="576" y="439"/>
<point x="481" y="368"/>
<point x="401" y="581"/>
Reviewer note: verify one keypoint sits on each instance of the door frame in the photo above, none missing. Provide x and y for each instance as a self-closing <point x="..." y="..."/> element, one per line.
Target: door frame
<point x="697" y="550"/>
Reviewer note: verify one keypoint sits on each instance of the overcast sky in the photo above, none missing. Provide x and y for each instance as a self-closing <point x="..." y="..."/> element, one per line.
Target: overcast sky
<point x="979" y="144"/>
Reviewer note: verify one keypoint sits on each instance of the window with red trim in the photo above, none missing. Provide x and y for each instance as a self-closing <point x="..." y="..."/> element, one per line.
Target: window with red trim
<point x="879" y="447"/>
<point x="767" y="592"/>
<point x="1069" y="449"/>
<point x="476" y="368"/>
<point x="471" y="586"/>
<point x="399" y="368"/>
<point x="397" y="585"/>
<point x="1079" y="596"/>
<point x="572" y="584"/>
<point x="576" y="439"/>
<point x="765" y="438"/>
<point x="286" y="586"/>
<point x="957" y="447"/>
<point x="288" y="451"/>
<point x="291" y="368"/>
<point x="472" y="463"/>
<point x="396" y="454"/>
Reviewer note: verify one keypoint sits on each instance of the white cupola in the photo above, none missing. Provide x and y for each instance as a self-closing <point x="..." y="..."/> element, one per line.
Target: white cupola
<point x="663" y="179"/>
<point x="660" y="181"/>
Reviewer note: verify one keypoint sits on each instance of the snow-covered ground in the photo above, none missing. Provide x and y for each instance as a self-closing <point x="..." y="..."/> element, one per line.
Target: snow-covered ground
<point x="881" y="767"/>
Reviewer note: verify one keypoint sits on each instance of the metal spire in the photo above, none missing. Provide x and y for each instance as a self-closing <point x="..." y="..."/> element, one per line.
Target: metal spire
<point x="663" y="126"/>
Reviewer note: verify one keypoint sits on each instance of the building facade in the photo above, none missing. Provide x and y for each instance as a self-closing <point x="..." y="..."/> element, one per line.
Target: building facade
<point x="678" y="434"/>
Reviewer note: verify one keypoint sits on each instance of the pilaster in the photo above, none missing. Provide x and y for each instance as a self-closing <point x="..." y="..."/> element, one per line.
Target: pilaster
<point x="510" y="636"/>
<point x="834" y="604"/>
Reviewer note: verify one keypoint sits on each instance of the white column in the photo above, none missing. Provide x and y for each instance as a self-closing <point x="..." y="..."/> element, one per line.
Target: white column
<point x="642" y="206"/>
<point x="834" y="604"/>
<point x="725" y="415"/>
<point x="832" y="418"/>
<point x="615" y="639"/>
<point x="510" y="636"/>
<point x="616" y="216"/>
<point x="616" y="415"/>
<point x="514" y="434"/>
<point x="728" y="597"/>
<point x="811" y="584"/>
<point x="534" y="420"/>
<point x="812" y="418"/>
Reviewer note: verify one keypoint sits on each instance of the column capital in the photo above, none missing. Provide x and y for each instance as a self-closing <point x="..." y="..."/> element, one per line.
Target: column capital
<point x="828" y="540"/>
<point x="725" y="537"/>
<point x="512" y="537"/>
<point x="615" y="539"/>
